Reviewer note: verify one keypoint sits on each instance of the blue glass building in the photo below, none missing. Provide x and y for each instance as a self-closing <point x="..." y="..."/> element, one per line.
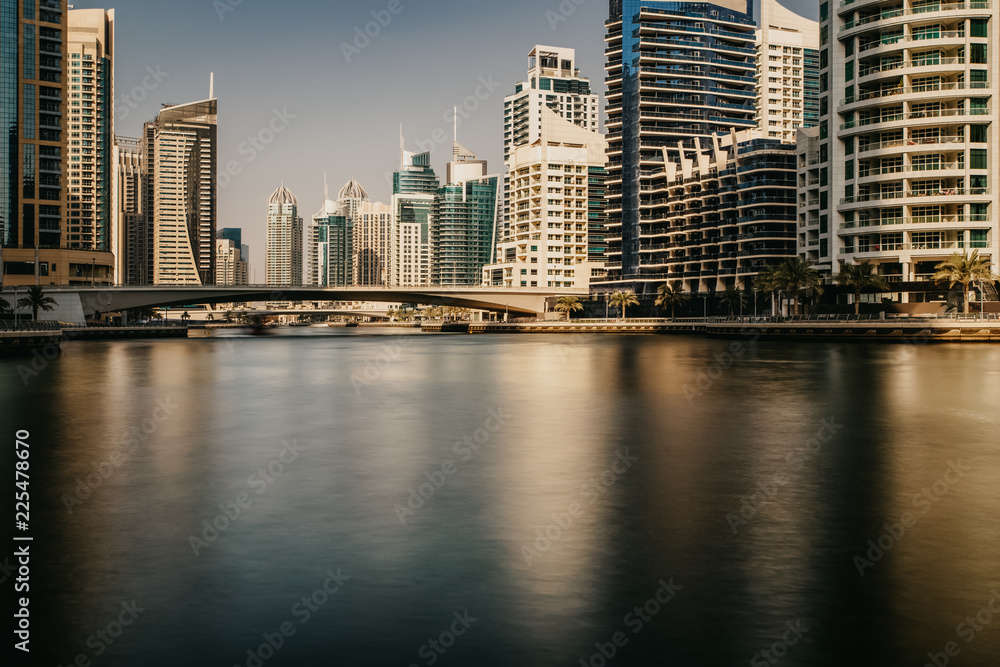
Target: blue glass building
<point x="677" y="73"/>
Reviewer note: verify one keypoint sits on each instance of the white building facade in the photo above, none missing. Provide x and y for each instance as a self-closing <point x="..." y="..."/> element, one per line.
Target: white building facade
<point x="906" y="155"/>
<point x="283" y="265"/>
<point x="787" y="79"/>
<point x="552" y="199"/>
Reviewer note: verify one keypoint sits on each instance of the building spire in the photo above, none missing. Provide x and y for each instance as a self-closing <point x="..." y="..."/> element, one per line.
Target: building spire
<point x="402" y="148"/>
<point x="326" y="188"/>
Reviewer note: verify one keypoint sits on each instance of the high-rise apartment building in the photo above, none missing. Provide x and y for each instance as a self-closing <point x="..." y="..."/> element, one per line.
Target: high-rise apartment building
<point x="557" y="201"/>
<point x="373" y="242"/>
<point x="283" y="263"/>
<point x="463" y="221"/>
<point x="132" y="247"/>
<point x="413" y="190"/>
<point x="677" y="74"/>
<point x="230" y="269"/>
<point x="553" y="81"/>
<point x="91" y="166"/>
<point x="33" y="157"/>
<point x="905" y="158"/>
<point x="331" y="239"/>
<point x="179" y="155"/>
<point x="787" y="87"/>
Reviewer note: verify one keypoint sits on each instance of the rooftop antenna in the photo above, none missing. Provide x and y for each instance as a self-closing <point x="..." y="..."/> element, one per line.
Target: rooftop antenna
<point x="211" y="86"/>
<point x="402" y="148"/>
<point x="454" y="148"/>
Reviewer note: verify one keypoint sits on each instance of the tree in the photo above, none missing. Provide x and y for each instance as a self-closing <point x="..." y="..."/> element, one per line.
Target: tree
<point x="671" y="297"/>
<point x="568" y="305"/>
<point x="733" y="298"/>
<point x="623" y="300"/>
<point x="185" y="316"/>
<point x="964" y="269"/>
<point x="4" y="305"/>
<point x="37" y="300"/>
<point x="861" y="278"/>
<point x="210" y="317"/>
<point x="795" y="275"/>
<point x="767" y="281"/>
<point x="228" y="316"/>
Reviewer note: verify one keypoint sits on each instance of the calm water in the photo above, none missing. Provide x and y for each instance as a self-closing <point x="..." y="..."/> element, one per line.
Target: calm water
<point x="654" y="473"/>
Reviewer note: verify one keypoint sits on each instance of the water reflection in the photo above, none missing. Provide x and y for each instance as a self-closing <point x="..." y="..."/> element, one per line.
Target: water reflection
<point x="388" y="488"/>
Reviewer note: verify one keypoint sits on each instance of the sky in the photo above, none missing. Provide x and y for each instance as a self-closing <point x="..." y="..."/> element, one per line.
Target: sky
<point x="301" y="93"/>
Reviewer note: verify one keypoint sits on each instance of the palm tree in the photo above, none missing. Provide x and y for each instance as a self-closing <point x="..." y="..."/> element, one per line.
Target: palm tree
<point x="861" y="278"/>
<point x="767" y="281"/>
<point x="185" y="316"/>
<point x="671" y="297"/>
<point x="568" y="305"/>
<point x="4" y="305"/>
<point x="964" y="269"/>
<point x="210" y="317"/>
<point x="732" y="298"/>
<point x="795" y="275"/>
<point x="37" y="300"/>
<point x="228" y="316"/>
<point x="623" y="300"/>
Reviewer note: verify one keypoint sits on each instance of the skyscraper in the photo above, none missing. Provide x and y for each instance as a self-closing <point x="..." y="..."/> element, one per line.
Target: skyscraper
<point x="677" y="73"/>
<point x="413" y="190"/>
<point x="33" y="117"/>
<point x="787" y="81"/>
<point x="906" y="151"/>
<point x="283" y="266"/>
<point x="230" y="269"/>
<point x="331" y="238"/>
<point x="373" y="242"/>
<point x="553" y="81"/>
<point x="179" y="153"/>
<point x="557" y="195"/>
<point x="463" y="221"/>
<point x="91" y="136"/>
<point x="132" y="247"/>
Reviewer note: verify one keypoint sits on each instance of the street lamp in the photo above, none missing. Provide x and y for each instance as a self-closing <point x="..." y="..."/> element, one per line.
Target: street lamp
<point x="17" y="318"/>
<point x="755" y="302"/>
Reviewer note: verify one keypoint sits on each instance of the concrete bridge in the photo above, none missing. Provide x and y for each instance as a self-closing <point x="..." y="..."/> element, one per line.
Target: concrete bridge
<point x="520" y="301"/>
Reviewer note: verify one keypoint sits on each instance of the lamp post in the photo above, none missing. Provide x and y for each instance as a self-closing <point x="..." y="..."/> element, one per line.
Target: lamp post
<point x="17" y="318"/>
<point x="755" y="302"/>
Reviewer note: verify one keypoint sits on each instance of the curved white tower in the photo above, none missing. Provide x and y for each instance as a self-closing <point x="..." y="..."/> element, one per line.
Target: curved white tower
<point x="908" y="143"/>
<point x="283" y="266"/>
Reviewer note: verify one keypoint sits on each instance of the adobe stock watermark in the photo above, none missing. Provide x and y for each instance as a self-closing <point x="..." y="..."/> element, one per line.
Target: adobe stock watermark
<point x="591" y="490"/>
<point x="259" y="482"/>
<point x="131" y="100"/>
<point x="457" y="113"/>
<point x="375" y="366"/>
<point x="302" y="611"/>
<point x="923" y="501"/>
<point x="128" y="444"/>
<point x="464" y="450"/>
<point x="968" y="630"/>
<point x="565" y="10"/>
<point x="635" y="620"/>
<point x="435" y="648"/>
<point x="767" y="488"/>
<point x="370" y="31"/>
<point x="723" y="362"/>
<point x="223" y="7"/>
<point x="102" y="638"/>
<point x="779" y="649"/>
<point x="255" y="144"/>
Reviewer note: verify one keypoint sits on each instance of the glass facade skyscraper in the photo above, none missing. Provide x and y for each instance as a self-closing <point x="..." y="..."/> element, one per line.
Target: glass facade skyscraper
<point x="463" y="223"/>
<point x="677" y="73"/>
<point x="413" y="189"/>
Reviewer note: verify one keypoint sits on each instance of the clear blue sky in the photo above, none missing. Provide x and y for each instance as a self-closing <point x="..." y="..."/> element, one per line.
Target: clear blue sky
<point x="288" y="55"/>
